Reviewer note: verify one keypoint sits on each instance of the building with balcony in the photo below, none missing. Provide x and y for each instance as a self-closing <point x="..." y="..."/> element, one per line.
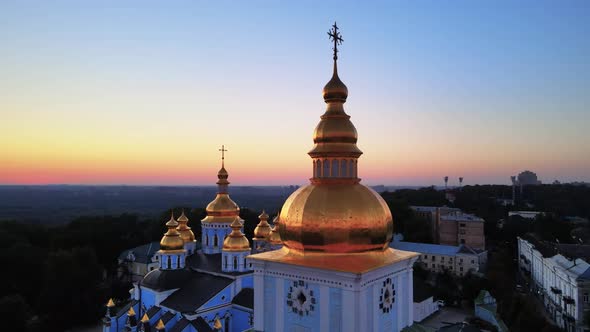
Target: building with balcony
<point x="560" y="280"/>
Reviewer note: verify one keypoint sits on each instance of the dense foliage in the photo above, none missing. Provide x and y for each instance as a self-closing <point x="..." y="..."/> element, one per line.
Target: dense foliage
<point x="59" y="277"/>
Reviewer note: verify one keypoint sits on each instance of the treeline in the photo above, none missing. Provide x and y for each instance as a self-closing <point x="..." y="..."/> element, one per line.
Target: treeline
<point x="56" y="278"/>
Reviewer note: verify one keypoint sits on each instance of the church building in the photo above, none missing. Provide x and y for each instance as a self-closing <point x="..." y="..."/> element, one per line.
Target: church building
<point x="325" y="263"/>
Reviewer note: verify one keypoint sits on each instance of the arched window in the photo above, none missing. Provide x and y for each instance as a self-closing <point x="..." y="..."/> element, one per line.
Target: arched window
<point x="318" y="168"/>
<point x="225" y="262"/>
<point x="356" y="162"/>
<point x="226" y="327"/>
<point x="235" y="263"/>
<point x="169" y="262"/>
<point x="206" y="240"/>
<point x="326" y="169"/>
<point x="351" y="168"/>
<point x="314" y="175"/>
<point x="335" y="168"/>
<point x="343" y="168"/>
<point x="178" y="261"/>
<point x="215" y="241"/>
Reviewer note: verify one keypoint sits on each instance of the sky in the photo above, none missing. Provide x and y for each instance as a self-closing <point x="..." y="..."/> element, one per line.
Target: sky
<point x="146" y="92"/>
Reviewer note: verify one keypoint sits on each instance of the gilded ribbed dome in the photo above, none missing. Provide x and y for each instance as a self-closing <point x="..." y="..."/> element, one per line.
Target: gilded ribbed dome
<point x="186" y="233"/>
<point x="335" y="218"/>
<point x="171" y="239"/>
<point x="222" y="209"/>
<point x="262" y="230"/>
<point x="236" y="240"/>
<point x="275" y="237"/>
<point x="335" y="213"/>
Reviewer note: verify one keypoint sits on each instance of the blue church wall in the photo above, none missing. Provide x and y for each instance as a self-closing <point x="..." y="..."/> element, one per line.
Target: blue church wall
<point x="247" y="281"/>
<point x="223" y="297"/>
<point x="148" y="298"/>
<point x="401" y="290"/>
<point x="269" y="299"/>
<point x="240" y="320"/>
<point x="309" y="319"/>
<point x="369" y="304"/>
<point x="335" y="309"/>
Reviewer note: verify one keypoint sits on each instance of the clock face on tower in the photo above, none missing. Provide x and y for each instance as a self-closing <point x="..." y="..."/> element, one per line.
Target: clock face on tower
<point x="387" y="296"/>
<point x="300" y="298"/>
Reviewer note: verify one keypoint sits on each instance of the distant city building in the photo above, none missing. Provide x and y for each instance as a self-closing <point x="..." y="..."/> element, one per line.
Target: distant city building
<point x="453" y="227"/>
<point x="561" y="282"/>
<point x="525" y="214"/>
<point x="527" y="178"/>
<point x="439" y="258"/>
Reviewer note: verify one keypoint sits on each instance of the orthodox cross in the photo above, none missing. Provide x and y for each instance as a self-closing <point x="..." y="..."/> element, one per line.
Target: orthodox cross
<point x="335" y="36"/>
<point x="223" y="150"/>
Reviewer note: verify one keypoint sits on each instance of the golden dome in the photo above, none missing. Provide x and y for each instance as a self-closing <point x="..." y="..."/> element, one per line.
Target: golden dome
<point x="171" y="240"/>
<point x="335" y="213"/>
<point x="160" y="325"/>
<point x="236" y="240"/>
<point x="110" y="303"/>
<point x="186" y="233"/>
<point x="336" y="218"/>
<point x="217" y="324"/>
<point x="131" y="312"/>
<point x="275" y="237"/>
<point x="145" y="318"/>
<point x="222" y="209"/>
<point x="262" y="230"/>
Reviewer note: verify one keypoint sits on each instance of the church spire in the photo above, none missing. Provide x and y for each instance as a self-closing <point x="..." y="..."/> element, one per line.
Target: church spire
<point x="335" y="152"/>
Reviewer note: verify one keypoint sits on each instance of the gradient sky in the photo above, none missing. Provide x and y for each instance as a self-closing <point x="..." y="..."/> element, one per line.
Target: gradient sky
<point x="145" y="92"/>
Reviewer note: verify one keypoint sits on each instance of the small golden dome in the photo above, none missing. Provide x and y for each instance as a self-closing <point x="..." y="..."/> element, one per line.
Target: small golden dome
<point x="335" y="89"/>
<point x="110" y="303"/>
<point x="275" y="237"/>
<point x="171" y="239"/>
<point x="145" y="318"/>
<point x="217" y="324"/>
<point x="336" y="218"/>
<point x="236" y="240"/>
<point x="160" y="325"/>
<point x="131" y="312"/>
<point x="186" y="233"/>
<point x="262" y="230"/>
<point x="222" y="209"/>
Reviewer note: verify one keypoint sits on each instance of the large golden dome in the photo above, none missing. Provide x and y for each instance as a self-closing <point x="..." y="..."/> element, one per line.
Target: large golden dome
<point x="222" y="209"/>
<point x="335" y="218"/>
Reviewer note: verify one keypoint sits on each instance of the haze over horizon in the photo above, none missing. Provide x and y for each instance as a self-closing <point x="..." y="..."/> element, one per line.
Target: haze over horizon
<point x="143" y="93"/>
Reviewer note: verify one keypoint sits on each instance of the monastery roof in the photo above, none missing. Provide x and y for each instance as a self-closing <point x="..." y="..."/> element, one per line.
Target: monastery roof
<point x="160" y="280"/>
<point x="143" y="254"/>
<point x="152" y="311"/>
<point x="245" y="298"/>
<point x="201" y="325"/>
<point x="426" y="248"/>
<point x="208" y="263"/>
<point x="195" y="292"/>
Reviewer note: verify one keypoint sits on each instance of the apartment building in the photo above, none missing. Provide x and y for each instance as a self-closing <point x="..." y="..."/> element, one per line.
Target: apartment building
<point x="559" y="278"/>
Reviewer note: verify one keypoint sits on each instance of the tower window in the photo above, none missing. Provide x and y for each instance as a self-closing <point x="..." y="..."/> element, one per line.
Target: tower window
<point x="335" y="168"/>
<point x="235" y="263"/>
<point x="326" y="169"/>
<point x="343" y="168"/>
<point x="318" y="168"/>
<point x="215" y="241"/>
<point x="351" y="168"/>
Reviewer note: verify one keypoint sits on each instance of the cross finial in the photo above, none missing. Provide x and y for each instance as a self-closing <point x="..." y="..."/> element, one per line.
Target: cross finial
<point x="336" y="37"/>
<point x="223" y="150"/>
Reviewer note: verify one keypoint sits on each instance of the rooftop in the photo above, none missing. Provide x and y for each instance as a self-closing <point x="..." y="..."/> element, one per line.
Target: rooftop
<point x="425" y="248"/>
<point x="142" y="254"/>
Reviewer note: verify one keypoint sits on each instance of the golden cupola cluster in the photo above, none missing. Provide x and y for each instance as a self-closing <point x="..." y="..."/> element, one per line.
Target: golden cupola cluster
<point x="335" y="214"/>
<point x="262" y="230"/>
<point x="236" y="240"/>
<point x="222" y="209"/>
<point x="185" y="231"/>
<point x="171" y="239"/>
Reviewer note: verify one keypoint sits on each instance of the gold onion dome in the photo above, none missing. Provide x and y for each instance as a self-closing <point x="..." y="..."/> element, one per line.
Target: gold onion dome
<point x="145" y="318"/>
<point x="275" y="237"/>
<point x="186" y="233"/>
<point x="262" y="230"/>
<point x="222" y="208"/>
<point x="160" y="325"/>
<point x="236" y="240"/>
<point x="335" y="214"/>
<point x="171" y="239"/>
<point x="130" y="312"/>
<point x="110" y="303"/>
